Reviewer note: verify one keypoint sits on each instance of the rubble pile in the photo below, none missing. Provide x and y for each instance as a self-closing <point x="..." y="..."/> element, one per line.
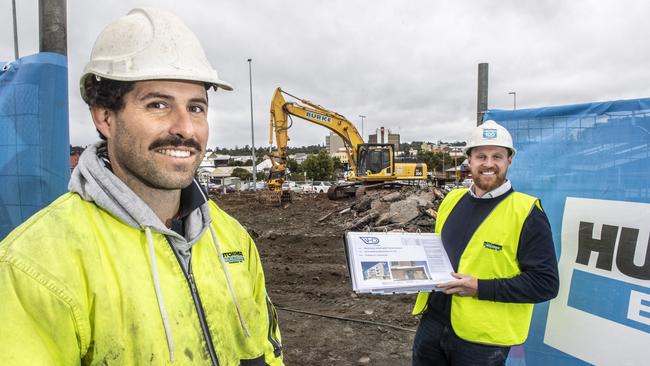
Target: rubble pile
<point x="410" y="209"/>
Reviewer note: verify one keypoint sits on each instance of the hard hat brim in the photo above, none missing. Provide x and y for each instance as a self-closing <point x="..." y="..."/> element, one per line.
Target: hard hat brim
<point x="218" y="84"/>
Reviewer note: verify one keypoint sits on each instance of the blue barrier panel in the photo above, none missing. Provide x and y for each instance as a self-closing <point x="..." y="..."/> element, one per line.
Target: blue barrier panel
<point x="590" y="165"/>
<point x="34" y="142"/>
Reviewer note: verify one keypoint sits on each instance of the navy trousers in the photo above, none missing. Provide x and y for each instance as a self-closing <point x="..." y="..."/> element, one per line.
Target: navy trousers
<point x="436" y="344"/>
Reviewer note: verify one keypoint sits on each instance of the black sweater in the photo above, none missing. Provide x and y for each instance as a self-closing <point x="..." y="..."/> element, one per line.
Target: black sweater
<point x="538" y="280"/>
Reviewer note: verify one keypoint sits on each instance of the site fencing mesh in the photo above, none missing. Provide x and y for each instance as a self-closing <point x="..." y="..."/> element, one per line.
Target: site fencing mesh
<point x="34" y="142"/>
<point x="593" y="152"/>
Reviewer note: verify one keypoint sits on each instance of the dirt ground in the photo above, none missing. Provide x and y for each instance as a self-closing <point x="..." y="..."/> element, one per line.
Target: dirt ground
<point x="306" y="273"/>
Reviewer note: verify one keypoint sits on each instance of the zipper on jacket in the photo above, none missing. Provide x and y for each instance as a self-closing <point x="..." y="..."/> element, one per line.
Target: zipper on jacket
<point x="199" y="308"/>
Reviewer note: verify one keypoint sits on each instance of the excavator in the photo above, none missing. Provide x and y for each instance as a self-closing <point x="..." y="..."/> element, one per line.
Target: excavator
<point x="371" y="165"/>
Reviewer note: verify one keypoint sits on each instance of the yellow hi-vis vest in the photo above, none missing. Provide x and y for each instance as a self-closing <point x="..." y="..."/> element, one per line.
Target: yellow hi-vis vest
<point x="491" y="253"/>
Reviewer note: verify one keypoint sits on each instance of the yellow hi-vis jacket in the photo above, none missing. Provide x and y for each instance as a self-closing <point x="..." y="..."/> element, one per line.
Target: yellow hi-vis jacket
<point x="77" y="287"/>
<point x="490" y="253"/>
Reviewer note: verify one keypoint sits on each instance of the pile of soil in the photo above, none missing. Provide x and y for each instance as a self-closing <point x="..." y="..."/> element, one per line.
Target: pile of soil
<point x="304" y="261"/>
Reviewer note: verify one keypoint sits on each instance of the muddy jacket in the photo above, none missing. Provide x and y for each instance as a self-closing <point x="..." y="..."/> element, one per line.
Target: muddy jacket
<point x="84" y="283"/>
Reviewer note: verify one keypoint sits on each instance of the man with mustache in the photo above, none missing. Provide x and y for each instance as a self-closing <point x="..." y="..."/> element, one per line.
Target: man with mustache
<point x="135" y="266"/>
<point x="500" y="244"/>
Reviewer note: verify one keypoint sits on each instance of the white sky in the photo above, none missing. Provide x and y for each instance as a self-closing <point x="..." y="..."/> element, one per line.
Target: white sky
<point x="408" y="65"/>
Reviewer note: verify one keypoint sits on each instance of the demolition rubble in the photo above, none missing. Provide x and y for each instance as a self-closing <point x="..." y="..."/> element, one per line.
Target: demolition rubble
<point x="410" y="209"/>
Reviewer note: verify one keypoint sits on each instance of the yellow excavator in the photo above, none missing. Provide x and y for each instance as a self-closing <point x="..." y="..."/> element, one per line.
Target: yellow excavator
<point x="371" y="165"/>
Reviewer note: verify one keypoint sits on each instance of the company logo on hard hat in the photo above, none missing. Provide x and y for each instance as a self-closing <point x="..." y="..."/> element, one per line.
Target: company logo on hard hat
<point x="489" y="133"/>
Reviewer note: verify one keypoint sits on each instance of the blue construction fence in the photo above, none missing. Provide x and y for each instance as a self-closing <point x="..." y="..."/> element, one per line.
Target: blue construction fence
<point x="590" y="165"/>
<point x="34" y="142"/>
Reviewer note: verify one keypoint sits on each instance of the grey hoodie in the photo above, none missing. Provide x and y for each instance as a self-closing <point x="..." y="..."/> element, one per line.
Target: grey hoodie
<point x="94" y="182"/>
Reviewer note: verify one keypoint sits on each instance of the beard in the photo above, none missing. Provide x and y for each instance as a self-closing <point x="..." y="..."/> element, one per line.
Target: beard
<point x="489" y="183"/>
<point x="144" y="166"/>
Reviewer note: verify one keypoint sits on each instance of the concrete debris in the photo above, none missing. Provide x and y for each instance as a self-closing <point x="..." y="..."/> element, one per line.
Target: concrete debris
<point x="368" y="218"/>
<point x="392" y="197"/>
<point x="404" y="211"/>
<point x="432" y="213"/>
<point x="364" y="360"/>
<point x="410" y="209"/>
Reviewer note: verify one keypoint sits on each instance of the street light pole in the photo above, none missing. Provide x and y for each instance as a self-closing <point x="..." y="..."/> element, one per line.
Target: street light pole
<point x="13" y="10"/>
<point x="514" y="95"/>
<point x="444" y="176"/>
<point x="250" y="86"/>
<point x="362" y="117"/>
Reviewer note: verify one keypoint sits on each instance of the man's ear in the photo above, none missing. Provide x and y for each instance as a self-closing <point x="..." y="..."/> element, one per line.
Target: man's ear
<point x="103" y="119"/>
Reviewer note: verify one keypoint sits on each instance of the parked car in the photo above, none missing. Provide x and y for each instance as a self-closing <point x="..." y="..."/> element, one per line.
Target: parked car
<point x="218" y="188"/>
<point x="291" y="186"/>
<point x="450" y="186"/>
<point x="467" y="182"/>
<point x="321" y="187"/>
<point x="307" y="188"/>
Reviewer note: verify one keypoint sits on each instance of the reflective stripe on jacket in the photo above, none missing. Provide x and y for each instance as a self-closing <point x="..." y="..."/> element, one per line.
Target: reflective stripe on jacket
<point x="490" y="253"/>
<point x="76" y="287"/>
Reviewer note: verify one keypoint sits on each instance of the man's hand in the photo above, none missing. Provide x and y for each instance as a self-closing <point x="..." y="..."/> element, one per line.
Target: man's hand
<point x="465" y="285"/>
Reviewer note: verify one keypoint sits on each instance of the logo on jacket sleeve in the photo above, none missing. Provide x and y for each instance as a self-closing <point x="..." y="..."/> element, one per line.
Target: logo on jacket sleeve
<point x="233" y="257"/>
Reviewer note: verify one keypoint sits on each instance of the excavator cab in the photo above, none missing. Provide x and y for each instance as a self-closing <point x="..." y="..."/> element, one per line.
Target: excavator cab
<point x="375" y="160"/>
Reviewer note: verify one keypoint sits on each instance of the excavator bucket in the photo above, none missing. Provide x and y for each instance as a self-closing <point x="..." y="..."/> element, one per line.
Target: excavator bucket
<point x="274" y="198"/>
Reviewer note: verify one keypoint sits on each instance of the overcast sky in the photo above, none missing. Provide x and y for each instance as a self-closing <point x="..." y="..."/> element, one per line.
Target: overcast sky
<point x="410" y="66"/>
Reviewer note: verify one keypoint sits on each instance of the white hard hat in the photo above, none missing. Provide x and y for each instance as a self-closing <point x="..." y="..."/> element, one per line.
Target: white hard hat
<point x="150" y="44"/>
<point x="490" y="133"/>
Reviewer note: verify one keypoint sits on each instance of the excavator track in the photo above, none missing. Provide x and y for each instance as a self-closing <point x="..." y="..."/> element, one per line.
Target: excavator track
<point x="340" y="191"/>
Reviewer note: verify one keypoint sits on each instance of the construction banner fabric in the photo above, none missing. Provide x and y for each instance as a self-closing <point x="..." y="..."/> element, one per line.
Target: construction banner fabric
<point x="590" y="165"/>
<point x="34" y="142"/>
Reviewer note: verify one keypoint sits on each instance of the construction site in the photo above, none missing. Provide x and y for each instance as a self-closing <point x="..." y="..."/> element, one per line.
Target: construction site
<point x="301" y="243"/>
<point x="127" y="188"/>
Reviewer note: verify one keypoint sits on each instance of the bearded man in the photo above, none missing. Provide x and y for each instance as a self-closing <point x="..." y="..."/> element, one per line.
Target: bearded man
<point x="501" y="248"/>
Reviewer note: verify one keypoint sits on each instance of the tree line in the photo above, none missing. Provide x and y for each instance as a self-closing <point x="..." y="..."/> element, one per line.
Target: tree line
<point x="317" y="166"/>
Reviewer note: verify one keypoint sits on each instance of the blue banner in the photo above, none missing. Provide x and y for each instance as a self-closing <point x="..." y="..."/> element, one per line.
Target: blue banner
<point x="590" y="166"/>
<point x="34" y="142"/>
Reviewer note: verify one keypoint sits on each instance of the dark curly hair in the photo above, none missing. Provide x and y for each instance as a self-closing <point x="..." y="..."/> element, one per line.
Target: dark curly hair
<point x="106" y="93"/>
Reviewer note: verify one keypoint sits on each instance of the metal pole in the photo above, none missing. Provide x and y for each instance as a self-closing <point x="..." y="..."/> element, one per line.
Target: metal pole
<point x="52" y="26"/>
<point x="444" y="174"/>
<point x="362" y="117"/>
<point x="455" y="169"/>
<point x="514" y="94"/>
<point x="250" y="87"/>
<point x="13" y="9"/>
<point x="482" y="102"/>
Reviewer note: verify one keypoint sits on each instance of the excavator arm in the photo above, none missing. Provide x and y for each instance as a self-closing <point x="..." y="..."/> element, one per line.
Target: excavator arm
<point x="281" y="112"/>
<point x="369" y="163"/>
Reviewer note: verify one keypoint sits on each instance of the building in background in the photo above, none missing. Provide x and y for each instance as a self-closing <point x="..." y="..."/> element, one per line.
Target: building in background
<point x="393" y="138"/>
<point x="390" y="138"/>
<point x="333" y="143"/>
<point x="342" y="155"/>
<point x="299" y="157"/>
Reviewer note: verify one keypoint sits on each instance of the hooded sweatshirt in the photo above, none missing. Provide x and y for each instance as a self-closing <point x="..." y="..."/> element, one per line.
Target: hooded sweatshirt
<point x="95" y="182"/>
<point x="97" y="278"/>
